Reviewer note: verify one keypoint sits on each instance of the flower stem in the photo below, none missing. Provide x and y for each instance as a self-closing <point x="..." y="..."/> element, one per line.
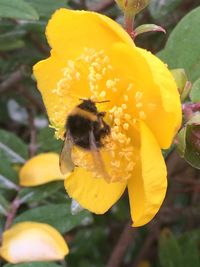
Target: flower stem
<point x="129" y="23"/>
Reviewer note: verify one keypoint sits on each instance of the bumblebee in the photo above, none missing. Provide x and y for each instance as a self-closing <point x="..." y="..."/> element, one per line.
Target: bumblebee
<point x="85" y="128"/>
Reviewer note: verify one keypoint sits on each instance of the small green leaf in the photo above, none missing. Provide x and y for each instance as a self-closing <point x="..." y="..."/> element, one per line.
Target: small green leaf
<point x="39" y="193"/>
<point x="4" y="206"/>
<point x="17" y="9"/>
<point x="180" y="78"/>
<point x="13" y="147"/>
<point x="148" y="28"/>
<point x="33" y="264"/>
<point x="8" y="176"/>
<point x="192" y="152"/>
<point x="15" y="44"/>
<point x="181" y="142"/>
<point x="188" y="145"/>
<point x="195" y="91"/>
<point x="57" y="215"/>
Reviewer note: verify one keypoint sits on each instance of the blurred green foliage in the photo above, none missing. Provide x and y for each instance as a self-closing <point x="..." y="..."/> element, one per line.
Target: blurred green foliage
<point x="173" y="237"/>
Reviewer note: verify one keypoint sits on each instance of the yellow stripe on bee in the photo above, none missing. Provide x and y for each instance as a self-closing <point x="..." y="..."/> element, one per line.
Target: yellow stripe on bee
<point x="83" y="113"/>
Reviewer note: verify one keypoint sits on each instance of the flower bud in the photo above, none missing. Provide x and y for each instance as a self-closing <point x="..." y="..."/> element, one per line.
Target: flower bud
<point x="132" y="6"/>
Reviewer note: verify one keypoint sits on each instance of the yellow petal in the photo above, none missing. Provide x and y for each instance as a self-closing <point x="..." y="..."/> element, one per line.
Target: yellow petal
<point x="150" y="88"/>
<point x="30" y="241"/>
<point x="147" y="187"/>
<point x="94" y="194"/>
<point x="40" y="169"/>
<point x="163" y="78"/>
<point x="70" y="30"/>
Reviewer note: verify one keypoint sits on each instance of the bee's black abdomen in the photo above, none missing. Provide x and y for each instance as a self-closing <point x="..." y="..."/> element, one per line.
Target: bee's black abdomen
<point x="80" y="127"/>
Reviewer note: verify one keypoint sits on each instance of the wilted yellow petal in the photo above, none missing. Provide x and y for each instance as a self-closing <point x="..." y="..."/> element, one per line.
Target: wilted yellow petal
<point x="94" y="194"/>
<point x="147" y="187"/>
<point x="40" y="169"/>
<point x="30" y="241"/>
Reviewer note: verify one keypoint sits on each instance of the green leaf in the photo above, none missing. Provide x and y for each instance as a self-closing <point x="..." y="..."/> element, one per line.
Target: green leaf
<point x="180" y="78"/>
<point x="189" y="243"/>
<point x="8" y="176"/>
<point x="192" y="151"/>
<point x="183" y="46"/>
<point x="47" y="141"/>
<point x="15" y="44"/>
<point x="160" y="8"/>
<point x="57" y="215"/>
<point x="170" y="251"/>
<point x="13" y="147"/>
<point x="4" y="206"/>
<point x="190" y="252"/>
<point x="11" y="40"/>
<point x="45" y="8"/>
<point x="195" y="91"/>
<point x="39" y="193"/>
<point x="181" y="145"/>
<point x="17" y="9"/>
<point x="144" y="28"/>
<point x="34" y="264"/>
<point x="188" y="145"/>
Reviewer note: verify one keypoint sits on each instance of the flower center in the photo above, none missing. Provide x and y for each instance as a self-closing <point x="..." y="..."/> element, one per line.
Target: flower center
<point x="91" y="76"/>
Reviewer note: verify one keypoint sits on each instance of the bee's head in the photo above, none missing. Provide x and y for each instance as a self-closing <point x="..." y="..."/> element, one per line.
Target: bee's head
<point x="88" y="105"/>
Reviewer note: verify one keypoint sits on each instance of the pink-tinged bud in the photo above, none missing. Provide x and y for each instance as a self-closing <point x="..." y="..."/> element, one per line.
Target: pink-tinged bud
<point x="132" y="6"/>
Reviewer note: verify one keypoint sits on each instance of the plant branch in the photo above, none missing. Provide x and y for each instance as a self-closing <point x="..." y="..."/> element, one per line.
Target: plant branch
<point x="125" y="239"/>
<point x="12" y="80"/>
<point x="13" y="210"/>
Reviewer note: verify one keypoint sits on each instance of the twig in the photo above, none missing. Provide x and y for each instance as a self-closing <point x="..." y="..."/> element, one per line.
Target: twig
<point x="39" y="45"/>
<point x="14" y="78"/>
<point x="151" y="238"/>
<point x="101" y="6"/>
<point x="125" y="239"/>
<point x="13" y="210"/>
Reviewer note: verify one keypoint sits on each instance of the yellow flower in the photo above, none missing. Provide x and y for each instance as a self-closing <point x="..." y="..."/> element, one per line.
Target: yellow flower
<point x="31" y="241"/>
<point x="41" y="169"/>
<point x="92" y="57"/>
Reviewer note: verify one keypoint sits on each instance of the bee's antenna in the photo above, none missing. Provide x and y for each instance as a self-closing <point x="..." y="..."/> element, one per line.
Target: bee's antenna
<point x="104" y="101"/>
<point x="96" y="102"/>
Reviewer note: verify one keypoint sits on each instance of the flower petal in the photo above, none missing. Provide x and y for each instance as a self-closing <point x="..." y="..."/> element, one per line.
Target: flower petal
<point x="70" y="30"/>
<point x="150" y="88"/>
<point x="40" y="169"/>
<point x="30" y="241"/>
<point x="147" y="187"/>
<point x="94" y="194"/>
<point x="48" y="73"/>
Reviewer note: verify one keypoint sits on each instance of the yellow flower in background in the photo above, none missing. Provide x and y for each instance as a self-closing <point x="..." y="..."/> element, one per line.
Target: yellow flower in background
<point x="31" y="241"/>
<point x="41" y="169"/>
<point x="92" y="57"/>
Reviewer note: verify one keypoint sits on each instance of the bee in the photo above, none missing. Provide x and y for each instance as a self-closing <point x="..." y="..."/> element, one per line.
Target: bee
<point x="85" y="128"/>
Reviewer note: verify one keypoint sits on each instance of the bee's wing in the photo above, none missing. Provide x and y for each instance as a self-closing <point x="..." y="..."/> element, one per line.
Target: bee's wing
<point x="97" y="159"/>
<point x="65" y="161"/>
